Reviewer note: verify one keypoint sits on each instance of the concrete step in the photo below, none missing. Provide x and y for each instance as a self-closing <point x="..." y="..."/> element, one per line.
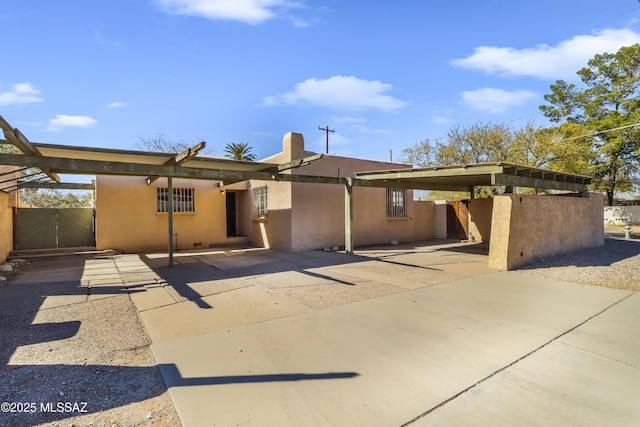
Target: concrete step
<point x="57" y="253"/>
<point x="232" y="241"/>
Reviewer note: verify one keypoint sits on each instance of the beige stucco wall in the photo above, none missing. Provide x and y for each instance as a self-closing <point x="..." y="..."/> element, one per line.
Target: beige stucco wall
<point x="6" y="225"/>
<point x="528" y="227"/>
<point x="126" y="216"/>
<point x="306" y="216"/>
<point x="480" y="211"/>
<point x="7" y="202"/>
<point x="440" y="220"/>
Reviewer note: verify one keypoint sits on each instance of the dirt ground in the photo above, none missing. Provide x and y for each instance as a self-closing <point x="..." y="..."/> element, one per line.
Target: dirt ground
<point x="68" y="359"/>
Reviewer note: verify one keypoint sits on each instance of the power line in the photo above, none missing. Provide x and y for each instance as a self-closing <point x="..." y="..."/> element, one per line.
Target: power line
<point x="601" y="131"/>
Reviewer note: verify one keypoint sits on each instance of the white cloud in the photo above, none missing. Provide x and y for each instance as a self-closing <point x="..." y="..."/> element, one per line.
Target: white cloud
<point x="66" y="121"/>
<point x="495" y="100"/>
<point x="116" y="105"/>
<point x="340" y="92"/>
<point x="20" y="93"/>
<point x="548" y="62"/>
<point x="249" y="11"/>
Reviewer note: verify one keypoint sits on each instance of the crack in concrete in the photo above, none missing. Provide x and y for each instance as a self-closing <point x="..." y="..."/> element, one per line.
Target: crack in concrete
<point x="455" y="396"/>
<point x="599" y="354"/>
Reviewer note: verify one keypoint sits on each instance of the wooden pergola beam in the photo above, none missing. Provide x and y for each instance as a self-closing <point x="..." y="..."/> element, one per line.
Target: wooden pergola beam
<point x="180" y="158"/>
<point x="15" y="137"/>
<point x="299" y="162"/>
<point x="58" y="185"/>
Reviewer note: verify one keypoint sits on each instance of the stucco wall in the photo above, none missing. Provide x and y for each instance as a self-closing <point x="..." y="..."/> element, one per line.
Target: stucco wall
<point x="126" y="216"/>
<point x="622" y="215"/>
<point x="309" y="216"/>
<point x="528" y="227"/>
<point x="480" y="211"/>
<point x="440" y="220"/>
<point x="6" y="225"/>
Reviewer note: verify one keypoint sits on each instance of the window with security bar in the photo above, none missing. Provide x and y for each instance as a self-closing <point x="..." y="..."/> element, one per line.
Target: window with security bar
<point x="396" y="203"/>
<point x="259" y="198"/>
<point x="183" y="200"/>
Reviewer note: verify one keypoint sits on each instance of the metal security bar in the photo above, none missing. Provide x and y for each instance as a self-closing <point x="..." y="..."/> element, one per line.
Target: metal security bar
<point x="396" y="205"/>
<point x="183" y="200"/>
<point x="260" y="205"/>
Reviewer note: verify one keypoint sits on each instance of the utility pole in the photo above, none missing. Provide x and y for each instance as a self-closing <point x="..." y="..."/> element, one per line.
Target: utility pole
<point x="327" y="130"/>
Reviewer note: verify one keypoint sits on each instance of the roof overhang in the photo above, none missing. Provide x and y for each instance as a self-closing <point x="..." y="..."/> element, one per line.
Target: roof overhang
<point x="65" y="159"/>
<point x="465" y="177"/>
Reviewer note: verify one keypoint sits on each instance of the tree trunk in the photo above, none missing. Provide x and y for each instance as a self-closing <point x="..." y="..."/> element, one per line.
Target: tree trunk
<point x="609" y="197"/>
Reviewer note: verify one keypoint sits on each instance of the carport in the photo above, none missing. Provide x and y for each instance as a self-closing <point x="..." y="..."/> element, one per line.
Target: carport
<point x="522" y="227"/>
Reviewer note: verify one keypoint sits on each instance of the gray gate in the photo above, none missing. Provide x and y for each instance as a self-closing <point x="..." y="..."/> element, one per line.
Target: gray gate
<point x="46" y="228"/>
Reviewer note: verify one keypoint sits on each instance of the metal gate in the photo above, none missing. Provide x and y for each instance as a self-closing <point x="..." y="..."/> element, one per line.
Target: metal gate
<point x="47" y="228"/>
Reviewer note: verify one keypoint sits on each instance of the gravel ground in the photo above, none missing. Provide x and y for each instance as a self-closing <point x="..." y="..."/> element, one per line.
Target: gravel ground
<point x="616" y="264"/>
<point x="76" y="361"/>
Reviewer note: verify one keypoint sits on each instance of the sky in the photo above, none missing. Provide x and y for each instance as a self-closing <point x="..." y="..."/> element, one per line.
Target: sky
<point x="384" y="75"/>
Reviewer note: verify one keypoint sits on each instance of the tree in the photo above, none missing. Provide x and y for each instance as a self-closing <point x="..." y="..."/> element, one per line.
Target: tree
<point x="478" y="143"/>
<point x="48" y="198"/>
<point x="239" y="151"/>
<point x="530" y="145"/>
<point x="422" y="154"/>
<point x="607" y="112"/>
<point x="160" y="144"/>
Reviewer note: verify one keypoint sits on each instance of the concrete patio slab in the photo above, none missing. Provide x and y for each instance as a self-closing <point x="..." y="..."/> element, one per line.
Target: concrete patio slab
<point x="60" y="272"/>
<point x="151" y="296"/>
<point x="382" y="361"/>
<point x="217" y="312"/>
<point x="585" y="377"/>
<point x="363" y="273"/>
<point x="212" y="287"/>
<point x="230" y="260"/>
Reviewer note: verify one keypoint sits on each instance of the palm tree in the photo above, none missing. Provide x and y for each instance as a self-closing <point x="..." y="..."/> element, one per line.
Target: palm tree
<point x="240" y="151"/>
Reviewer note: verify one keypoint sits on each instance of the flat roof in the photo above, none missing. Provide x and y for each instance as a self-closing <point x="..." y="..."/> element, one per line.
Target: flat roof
<point x="465" y="177"/>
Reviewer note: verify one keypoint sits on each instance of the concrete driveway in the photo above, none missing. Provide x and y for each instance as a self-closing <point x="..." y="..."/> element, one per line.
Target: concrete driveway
<point x="409" y="335"/>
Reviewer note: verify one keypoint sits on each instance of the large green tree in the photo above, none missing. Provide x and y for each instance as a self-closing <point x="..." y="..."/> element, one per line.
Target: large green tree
<point x="605" y="112"/>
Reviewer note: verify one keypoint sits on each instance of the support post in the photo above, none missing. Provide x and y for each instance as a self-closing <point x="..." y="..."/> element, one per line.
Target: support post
<point x="348" y="215"/>
<point x="170" y="217"/>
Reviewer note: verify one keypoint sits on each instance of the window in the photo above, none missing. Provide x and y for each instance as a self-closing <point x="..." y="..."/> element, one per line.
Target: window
<point x="396" y="205"/>
<point x="183" y="200"/>
<point x="259" y="198"/>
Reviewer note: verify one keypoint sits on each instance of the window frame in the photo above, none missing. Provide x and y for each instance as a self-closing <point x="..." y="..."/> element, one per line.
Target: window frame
<point x="260" y="202"/>
<point x="185" y="202"/>
<point x="396" y="203"/>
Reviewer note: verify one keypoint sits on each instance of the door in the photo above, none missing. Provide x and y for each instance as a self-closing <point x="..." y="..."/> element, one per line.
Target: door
<point x="232" y="227"/>
<point x="458" y="220"/>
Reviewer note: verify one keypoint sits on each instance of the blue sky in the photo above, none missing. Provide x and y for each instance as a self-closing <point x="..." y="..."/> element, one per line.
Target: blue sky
<point x="385" y="75"/>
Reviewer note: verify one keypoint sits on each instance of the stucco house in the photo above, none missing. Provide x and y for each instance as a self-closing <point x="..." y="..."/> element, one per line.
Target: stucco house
<point x="132" y="216"/>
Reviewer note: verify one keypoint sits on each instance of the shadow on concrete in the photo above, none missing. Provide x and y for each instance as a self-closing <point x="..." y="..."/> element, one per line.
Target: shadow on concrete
<point x="173" y="377"/>
<point x="94" y="387"/>
<point x="613" y="250"/>
<point x="181" y="275"/>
